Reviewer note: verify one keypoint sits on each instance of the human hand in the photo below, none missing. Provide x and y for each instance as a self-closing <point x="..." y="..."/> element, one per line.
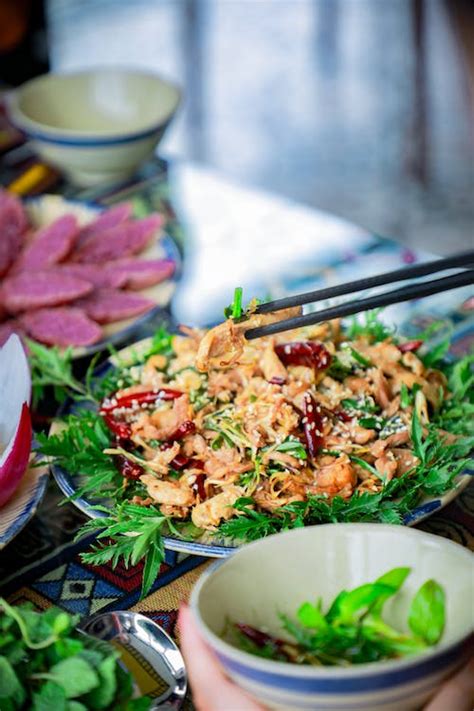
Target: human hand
<point x="213" y="691"/>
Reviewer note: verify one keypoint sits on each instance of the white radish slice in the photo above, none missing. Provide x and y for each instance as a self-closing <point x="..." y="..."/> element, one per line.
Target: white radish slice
<point x="15" y="420"/>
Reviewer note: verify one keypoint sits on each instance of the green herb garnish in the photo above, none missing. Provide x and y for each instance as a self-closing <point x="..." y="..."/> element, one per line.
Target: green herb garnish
<point x="46" y="665"/>
<point x="352" y="630"/>
<point x="369" y="325"/>
<point x="234" y="311"/>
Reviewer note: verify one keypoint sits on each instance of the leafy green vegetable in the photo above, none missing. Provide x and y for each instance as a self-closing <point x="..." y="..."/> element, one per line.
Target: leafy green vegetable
<point x="292" y="446"/>
<point x="372" y="423"/>
<point x="74" y="675"/>
<point x="161" y="343"/>
<point x="52" y="367"/>
<point x="115" y="541"/>
<point x="427" y="612"/>
<point x="359" y="358"/>
<point x="46" y="665"/>
<point x="352" y="631"/>
<point x="235" y="311"/>
<point x="361" y="404"/>
<point x="79" y="447"/>
<point x="369" y="325"/>
<point x="436" y="353"/>
<point x="51" y="696"/>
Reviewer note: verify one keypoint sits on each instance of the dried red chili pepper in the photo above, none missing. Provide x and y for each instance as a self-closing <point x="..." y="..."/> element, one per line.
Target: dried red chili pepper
<point x="120" y="429"/>
<point x="128" y="469"/>
<point x="181" y="461"/>
<point x="313" y="355"/>
<point x="185" y="428"/>
<point x="342" y="415"/>
<point x="198" y="486"/>
<point x="261" y="639"/>
<point x="146" y="398"/>
<point x="409" y="346"/>
<point x="312" y="424"/>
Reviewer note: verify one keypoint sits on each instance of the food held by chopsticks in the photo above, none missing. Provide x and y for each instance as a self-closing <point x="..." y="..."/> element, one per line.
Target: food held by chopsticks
<point x="62" y="282"/>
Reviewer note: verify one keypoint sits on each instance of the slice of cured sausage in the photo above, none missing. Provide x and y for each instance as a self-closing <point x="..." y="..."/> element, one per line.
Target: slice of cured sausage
<point x="124" y="240"/>
<point x="142" y="273"/>
<point x="13" y="225"/>
<point x="107" y="219"/>
<point x="61" y="326"/>
<point x="109" y="305"/>
<point x="48" y="246"/>
<point x="25" y="291"/>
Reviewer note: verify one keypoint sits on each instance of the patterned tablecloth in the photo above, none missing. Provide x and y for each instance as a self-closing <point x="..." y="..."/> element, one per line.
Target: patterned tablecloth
<point x="43" y="563"/>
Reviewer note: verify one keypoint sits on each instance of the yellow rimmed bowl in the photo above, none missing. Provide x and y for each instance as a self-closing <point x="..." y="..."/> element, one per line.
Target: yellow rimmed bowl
<point x="279" y="573"/>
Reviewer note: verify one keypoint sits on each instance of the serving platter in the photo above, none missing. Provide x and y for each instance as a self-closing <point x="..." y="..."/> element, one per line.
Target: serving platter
<point x="47" y="208"/>
<point x="22" y="506"/>
<point x="208" y="544"/>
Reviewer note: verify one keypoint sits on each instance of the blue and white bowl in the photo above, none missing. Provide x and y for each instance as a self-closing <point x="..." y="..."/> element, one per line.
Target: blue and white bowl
<point x="278" y="573"/>
<point x="96" y="126"/>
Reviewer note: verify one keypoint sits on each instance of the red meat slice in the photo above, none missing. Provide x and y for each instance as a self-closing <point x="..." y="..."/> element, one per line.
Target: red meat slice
<point x="48" y="246"/>
<point x="141" y="273"/>
<point x="107" y="219"/>
<point x="13" y="225"/>
<point x="62" y="326"/>
<point x="100" y="276"/>
<point x="109" y="305"/>
<point x="123" y="240"/>
<point x="26" y="291"/>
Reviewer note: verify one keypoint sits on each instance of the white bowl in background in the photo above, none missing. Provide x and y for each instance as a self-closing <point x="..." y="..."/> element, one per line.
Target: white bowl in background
<point x="96" y="126"/>
<point x="279" y="573"/>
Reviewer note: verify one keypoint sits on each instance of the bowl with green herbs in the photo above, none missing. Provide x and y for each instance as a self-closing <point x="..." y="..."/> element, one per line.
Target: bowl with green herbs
<point x="340" y="616"/>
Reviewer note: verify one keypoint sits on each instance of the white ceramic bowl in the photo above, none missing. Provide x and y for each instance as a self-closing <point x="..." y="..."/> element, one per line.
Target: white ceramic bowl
<point x="96" y="126"/>
<point x="280" y="572"/>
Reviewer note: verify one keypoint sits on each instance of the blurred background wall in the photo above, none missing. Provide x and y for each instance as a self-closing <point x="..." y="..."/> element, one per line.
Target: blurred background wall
<point x="361" y="107"/>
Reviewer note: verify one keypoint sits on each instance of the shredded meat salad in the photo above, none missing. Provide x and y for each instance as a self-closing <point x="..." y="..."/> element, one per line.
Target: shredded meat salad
<point x="277" y="419"/>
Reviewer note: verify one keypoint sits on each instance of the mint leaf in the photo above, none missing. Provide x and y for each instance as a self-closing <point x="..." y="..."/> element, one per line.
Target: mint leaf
<point x="10" y="686"/>
<point x="394" y="579"/>
<point x="102" y="696"/>
<point x="426" y="617"/>
<point x="75" y="675"/>
<point x="359" y="600"/>
<point x="51" y="697"/>
<point x="311" y="616"/>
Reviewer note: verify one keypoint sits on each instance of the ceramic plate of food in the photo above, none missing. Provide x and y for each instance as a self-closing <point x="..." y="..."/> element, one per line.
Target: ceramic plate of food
<point x="76" y="275"/>
<point x="320" y="425"/>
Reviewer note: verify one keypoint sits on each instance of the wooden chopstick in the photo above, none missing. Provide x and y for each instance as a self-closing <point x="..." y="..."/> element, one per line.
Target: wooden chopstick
<point x="406" y="293"/>
<point x="464" y="259"/>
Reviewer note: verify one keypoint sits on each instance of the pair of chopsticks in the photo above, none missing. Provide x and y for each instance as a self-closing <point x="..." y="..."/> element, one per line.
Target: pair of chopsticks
<point x="406" y="293"/>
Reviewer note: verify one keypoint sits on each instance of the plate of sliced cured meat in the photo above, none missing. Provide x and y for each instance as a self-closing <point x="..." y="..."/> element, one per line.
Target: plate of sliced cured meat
<point x="75" y="274"/>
